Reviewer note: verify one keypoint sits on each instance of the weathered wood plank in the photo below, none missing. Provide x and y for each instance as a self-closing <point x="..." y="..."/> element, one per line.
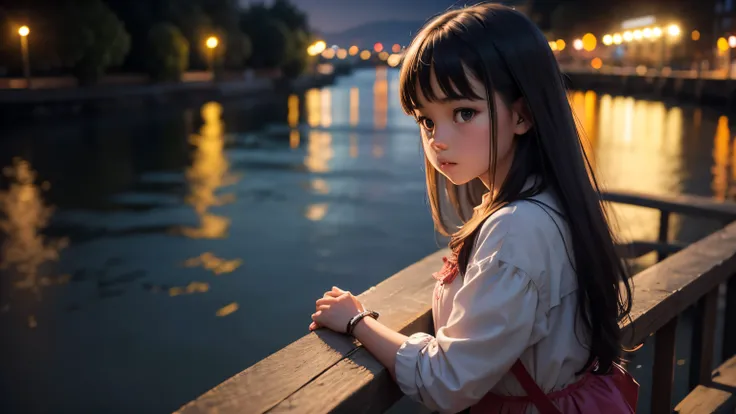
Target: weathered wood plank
<point x="358" y="384"/>
<point x="404" y="301"/>
<point x="703" y="339"/>
<point x="663" y="371"/>
<point x="681" y="204"/>
<point x="665" y="290"/>
<point x="637" y="249"/>
<point x="716" y="396"/>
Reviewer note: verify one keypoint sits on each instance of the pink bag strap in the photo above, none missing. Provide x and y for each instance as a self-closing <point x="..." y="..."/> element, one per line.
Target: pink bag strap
<point x="538" y="397"/>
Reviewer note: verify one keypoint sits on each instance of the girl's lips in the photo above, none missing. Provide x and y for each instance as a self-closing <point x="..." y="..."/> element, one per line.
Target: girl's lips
<point x="447" y="165"/>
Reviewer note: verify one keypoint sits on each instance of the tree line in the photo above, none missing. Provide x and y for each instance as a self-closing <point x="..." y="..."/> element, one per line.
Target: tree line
<point x="163" y="38"/>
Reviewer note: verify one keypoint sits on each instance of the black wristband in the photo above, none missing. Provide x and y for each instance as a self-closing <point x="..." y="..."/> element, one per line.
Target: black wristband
<point x="357" y="318"/>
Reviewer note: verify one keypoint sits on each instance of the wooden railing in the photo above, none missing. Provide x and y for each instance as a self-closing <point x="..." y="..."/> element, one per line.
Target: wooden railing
<point x="328" y="372"/>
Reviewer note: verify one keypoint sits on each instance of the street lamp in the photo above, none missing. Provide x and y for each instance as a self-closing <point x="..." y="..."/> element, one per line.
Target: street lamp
<point x="212" y="43"/>
<point x="24" y="31"/>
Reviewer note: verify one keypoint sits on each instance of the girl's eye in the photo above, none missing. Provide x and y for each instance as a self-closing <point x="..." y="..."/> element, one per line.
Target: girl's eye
<point x="426" y="123"/>
<point x="464" y="115"/>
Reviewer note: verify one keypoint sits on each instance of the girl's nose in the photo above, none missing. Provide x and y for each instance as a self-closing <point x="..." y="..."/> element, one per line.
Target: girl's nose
<point x="437" y="145"/>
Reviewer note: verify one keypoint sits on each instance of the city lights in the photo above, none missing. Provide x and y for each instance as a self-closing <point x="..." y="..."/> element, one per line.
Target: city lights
<point x="722" y="44"/>
<point x="608" y="40"/>
<point x="673" y="30"/>
<point x="589" y="42"/>
<point x="212" y="42"/>
<point x="577" y="44"/>
<point x="24" y="31"/>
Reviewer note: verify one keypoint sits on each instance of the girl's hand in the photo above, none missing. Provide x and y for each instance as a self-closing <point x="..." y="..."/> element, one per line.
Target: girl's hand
<point x="335" y="309"/>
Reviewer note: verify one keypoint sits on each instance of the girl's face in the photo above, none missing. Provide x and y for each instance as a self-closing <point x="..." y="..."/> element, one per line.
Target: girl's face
<point x="456" y="134"/>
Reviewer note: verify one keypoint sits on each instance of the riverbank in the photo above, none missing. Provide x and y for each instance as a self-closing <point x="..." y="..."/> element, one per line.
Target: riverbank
<point x="22" y="105"/>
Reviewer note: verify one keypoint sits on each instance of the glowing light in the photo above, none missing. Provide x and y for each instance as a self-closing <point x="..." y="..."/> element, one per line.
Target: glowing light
<point x="320" y="46"/>
<point x="608" y="40"/>
<point x="589" y="42"/>
<point x="673" y="30"/>
<point x="342" y="53"/>
<point x="722" y="44"/>
<point x="365" y="55"/>
<point x="596" y="63"/>
<point x="378" y="47"/>
<point x="628" y="36"/>
<point x="617" y="39"/>
<point x="328" y="53"/>
<point x="353" y="50"/>
<point x="732" y="41"/>
<point x="383" y="56"/>
<point x="24" y="31"/>
<point x="561" y="44"/>
<point x="657" y="32"/>
<point x="552" y="45"/>
<point x="637" y="35"/>
<point x="396" y="48"/>
<point x="647" y="33"/>
<point x="212" y="42"/>
<point x="577" y="44"/>
<point x="394" y="60"/>
<point x="695" y="35"/>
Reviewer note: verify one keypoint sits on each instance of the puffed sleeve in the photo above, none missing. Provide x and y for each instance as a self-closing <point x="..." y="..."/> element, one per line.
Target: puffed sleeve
<point x="490" y="326"/>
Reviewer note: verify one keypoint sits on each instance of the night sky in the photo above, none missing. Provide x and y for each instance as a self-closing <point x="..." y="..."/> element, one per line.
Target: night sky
<point x="331" y="16"/>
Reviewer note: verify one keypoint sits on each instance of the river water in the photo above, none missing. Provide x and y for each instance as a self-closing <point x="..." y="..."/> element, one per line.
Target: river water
<point x="147" y="258"/>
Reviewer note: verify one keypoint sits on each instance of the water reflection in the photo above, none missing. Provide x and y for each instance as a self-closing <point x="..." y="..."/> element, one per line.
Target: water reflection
<point x="208" y="173"/>
<point x="213" y="263"/>
<point x="380" y="98"/>
<point x="293" y="121"/>
<point x="354" y="106"/>
<point x="313" y="107"/>
<point x="721" y="144"/>
<point x="24" y="249"/>
<point x="637" y="146"/>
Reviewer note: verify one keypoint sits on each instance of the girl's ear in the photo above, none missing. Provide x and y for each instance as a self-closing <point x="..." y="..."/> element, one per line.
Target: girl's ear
<point x="521" y="117"/>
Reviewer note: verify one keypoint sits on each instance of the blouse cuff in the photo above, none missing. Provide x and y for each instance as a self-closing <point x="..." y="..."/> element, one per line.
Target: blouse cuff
<point x="407" y="358"/>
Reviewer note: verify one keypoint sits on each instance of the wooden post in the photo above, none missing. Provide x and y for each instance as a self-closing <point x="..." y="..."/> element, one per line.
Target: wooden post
<point x="703" y="339"/>
<point x="663" y="373"/>
<point x="664" y="225"/>
<point x="729" y="333"/>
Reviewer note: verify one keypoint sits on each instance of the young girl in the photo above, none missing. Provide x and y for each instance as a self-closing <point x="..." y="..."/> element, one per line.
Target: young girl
<point x="526" y="310"/>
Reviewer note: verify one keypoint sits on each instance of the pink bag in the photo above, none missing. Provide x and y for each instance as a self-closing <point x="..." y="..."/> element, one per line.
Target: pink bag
<point x="614" y="393"/>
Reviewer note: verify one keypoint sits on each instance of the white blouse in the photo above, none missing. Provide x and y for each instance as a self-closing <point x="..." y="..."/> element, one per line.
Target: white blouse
<point x="517" y="300"/>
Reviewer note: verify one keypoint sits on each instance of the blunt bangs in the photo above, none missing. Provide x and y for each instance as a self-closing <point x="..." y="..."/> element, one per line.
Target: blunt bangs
<point x="443" y="54"/>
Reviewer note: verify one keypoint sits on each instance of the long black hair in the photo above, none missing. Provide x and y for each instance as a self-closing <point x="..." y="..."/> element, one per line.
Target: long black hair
<point x="507" y="52"/>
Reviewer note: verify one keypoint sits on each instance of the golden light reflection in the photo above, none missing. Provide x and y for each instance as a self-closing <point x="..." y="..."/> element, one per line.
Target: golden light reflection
<point x="293" y="119"/>
<point x="720" y="159"/>
<point x="637" y="146"/>
<point x="354" y="106"/>
<point x="208" y="173"/>
<point x="319" y="151"/>
<point x="293" y="113"/>
<point x="316" y="212"/>
<point x="313" y="102"/>
<point x="213" y="263"/>
<point x="320" y="186"/>
<point x="193" y="287"/>
<point x="353" y="145"/>
<point x="380" y="98"/>
<point x="24" y="216"/>
<point x="227" y="309"/>
<point x="326" y="105"/>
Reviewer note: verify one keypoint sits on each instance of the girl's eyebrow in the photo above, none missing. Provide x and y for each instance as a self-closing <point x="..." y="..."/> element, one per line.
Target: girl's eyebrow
<point x="448" y="99"/>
